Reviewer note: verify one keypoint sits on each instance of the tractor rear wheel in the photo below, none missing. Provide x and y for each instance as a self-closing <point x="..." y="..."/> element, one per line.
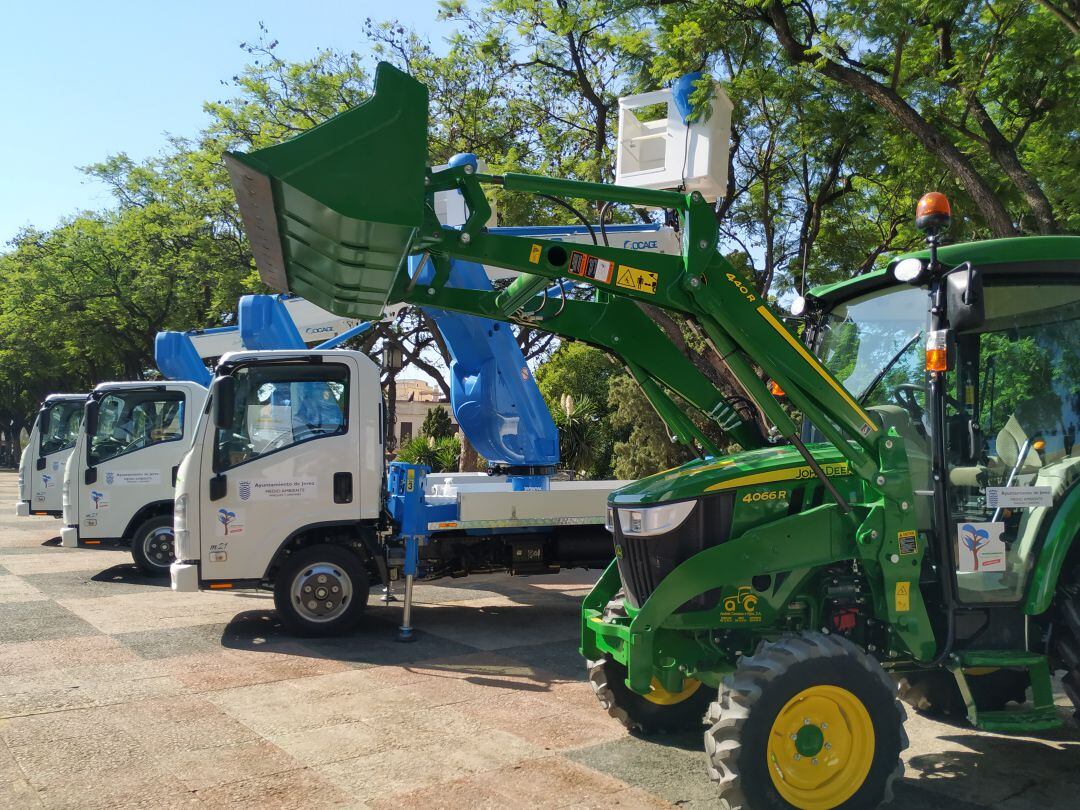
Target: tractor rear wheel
<point x="659" y="712"/>
<point x="1066" y="634"/>
<point x="808" y="721"/>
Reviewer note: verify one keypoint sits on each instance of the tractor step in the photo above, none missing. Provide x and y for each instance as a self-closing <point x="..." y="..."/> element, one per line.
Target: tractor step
<point x="1019" y="720"/>
<point x="1042" y="715"/>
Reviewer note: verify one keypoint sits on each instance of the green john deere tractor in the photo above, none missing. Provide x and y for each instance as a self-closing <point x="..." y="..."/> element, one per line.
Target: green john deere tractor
<point x="914" y="528"/>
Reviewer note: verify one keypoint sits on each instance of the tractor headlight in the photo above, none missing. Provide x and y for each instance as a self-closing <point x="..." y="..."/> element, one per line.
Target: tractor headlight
<point x="652" y="520"/>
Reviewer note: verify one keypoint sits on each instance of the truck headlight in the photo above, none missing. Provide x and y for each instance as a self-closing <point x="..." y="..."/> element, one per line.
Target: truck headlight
<point x="180" y="513"/>
<point x="647" y="521"/>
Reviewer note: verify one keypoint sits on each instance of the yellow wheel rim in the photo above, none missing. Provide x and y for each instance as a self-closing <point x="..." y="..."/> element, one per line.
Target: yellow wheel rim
<point x="820" y="748"/>
<point x="663" y="697"/>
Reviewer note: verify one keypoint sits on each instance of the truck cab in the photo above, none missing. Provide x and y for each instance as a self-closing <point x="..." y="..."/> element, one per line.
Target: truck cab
<point x="41" y="467"/>
<point x="119" y="479"/>
<point x="287" y="459"/>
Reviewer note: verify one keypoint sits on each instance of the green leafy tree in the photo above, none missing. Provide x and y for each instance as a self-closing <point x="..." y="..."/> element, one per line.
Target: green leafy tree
<point x="438" y="424"/>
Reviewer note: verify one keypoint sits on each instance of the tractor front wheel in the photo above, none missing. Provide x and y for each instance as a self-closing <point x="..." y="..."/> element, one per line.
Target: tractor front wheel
<point x="659" y="712"/>
<point x="809" y="721"/>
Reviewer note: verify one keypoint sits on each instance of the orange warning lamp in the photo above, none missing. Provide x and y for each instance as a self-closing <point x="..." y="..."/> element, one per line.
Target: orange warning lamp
<point x="933" y="214"/>
<point x="775" y="389"/>
<point x="937" y="351"/>
<point x="1039" y="445"/>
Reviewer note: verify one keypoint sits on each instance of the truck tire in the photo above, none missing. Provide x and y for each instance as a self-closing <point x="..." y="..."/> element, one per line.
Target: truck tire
<point x="152" y="546"/>
<point x="321" y="590"/>
<point x="808" y="721"/>
<point x="660" y="712"/>
<point x="934" y="692"/>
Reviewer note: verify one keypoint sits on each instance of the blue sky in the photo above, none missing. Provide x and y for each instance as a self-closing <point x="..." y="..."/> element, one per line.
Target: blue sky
<point x="83" y="80"/>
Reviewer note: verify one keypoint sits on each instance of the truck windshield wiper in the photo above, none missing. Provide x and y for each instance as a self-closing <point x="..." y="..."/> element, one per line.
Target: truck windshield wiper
<point x="888" y="366"/>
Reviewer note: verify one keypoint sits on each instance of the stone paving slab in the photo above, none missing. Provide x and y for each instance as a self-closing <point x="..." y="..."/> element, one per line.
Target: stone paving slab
<point x="116" y="692"/>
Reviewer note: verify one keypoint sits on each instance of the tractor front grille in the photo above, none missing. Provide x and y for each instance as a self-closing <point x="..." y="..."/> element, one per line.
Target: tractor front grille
<point x="645" y="561"/>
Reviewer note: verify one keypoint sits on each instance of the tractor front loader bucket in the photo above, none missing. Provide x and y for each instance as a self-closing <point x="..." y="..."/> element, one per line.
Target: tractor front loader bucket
<point x="333" y="212"/>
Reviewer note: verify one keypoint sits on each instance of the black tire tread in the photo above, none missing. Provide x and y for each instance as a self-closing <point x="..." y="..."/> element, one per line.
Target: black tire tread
<point x="148" y="568"/>
<point x="741" y="690"/>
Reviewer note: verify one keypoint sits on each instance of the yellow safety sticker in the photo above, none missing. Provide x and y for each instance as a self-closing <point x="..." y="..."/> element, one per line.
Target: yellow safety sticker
<point x="534" y="254"/>
<point x="903" y="596"/>
<point x="634" y="279"/>
<point x="908" y="542"/>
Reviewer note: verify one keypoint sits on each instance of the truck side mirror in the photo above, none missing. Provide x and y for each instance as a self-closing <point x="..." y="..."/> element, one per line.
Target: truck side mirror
<point x="91" y="417"/>
<point x="224" y="394"/>
<point x="964" y="298"/>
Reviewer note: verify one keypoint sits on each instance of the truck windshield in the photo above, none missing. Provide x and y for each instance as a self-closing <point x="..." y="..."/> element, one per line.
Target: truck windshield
<point x="871" y="344"/>
<point x="60" y="425"/>
<point x="134" y="419"/>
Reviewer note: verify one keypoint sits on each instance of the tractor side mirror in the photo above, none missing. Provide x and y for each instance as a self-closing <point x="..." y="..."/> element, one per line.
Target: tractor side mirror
<point x="224" y="394"/>
<point x="964" y="298"/>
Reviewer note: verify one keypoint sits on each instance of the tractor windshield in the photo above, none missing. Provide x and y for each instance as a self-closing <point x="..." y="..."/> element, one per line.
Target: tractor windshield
<point x="871" y="343"/>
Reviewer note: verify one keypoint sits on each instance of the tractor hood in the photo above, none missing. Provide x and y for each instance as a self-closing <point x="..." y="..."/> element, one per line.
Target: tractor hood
<point x="752" y="468"/>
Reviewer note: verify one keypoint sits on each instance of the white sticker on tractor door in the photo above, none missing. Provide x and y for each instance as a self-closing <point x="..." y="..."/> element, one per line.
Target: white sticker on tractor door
<point x="272" y="490"/>
<point x="1019" y="497"/>
<point x="133" y="478"/>
<point x="980" y="547"/>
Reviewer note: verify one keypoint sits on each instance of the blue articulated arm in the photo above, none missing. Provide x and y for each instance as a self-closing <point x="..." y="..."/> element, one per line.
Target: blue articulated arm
<point x="177" y="358"/>
<point x="492" y="391"/>
<point x="265" y="324"/>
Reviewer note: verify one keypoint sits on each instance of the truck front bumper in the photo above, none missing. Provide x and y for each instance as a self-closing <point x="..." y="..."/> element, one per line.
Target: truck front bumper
<point x="184" y="576"/>
<point x="69" y="537"/>
<point x="22" y="509"/>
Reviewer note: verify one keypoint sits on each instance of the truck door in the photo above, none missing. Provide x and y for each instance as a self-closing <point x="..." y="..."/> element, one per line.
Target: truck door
<point x="130" y="457"/>
<point x="287" y="462"/>
<point x="58" y="428"/>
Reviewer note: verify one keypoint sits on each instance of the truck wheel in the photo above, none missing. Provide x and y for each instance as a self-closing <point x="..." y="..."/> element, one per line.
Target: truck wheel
<point x="934" y="692"/>
<point x="321" y="591"/>
<point x="152" y="546"/>
<point x="659" y="712"/>
<point x="808" y="721"/>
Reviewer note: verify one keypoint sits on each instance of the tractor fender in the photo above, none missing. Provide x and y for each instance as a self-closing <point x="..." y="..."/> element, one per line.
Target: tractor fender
<point x="1063" y="530"/>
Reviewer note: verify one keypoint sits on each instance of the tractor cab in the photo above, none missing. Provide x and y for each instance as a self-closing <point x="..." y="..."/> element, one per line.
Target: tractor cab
<point x="1009" y="404"/>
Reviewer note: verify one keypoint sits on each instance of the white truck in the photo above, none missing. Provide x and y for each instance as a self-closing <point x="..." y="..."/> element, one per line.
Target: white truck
<point x="284" y="489"/>
<point x="41" y="466"/>
<point x="118" y="483"/>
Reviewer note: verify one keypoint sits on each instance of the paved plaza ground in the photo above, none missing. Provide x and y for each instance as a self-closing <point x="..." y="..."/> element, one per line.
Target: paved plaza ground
<point x="116" y="692"/>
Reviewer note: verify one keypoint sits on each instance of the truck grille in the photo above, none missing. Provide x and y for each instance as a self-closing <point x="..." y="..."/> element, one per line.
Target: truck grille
<point x="645" y="561"/>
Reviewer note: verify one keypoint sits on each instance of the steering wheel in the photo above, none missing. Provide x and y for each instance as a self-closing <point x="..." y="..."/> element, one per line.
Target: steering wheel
<point x="905" y="398"/>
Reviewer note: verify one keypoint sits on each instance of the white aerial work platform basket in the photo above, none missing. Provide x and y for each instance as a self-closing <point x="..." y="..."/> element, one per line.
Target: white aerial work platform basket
<point x="669" y="153"/>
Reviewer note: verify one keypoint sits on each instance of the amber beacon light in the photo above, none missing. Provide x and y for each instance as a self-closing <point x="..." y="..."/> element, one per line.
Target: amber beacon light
<point x="933" y="214"/>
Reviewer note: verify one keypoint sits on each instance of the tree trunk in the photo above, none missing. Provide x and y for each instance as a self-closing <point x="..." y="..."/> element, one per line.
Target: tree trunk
<point x="991" y="208"/>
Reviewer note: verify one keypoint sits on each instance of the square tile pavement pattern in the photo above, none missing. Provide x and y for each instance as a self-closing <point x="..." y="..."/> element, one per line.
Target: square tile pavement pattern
<point x="116" y="692"/>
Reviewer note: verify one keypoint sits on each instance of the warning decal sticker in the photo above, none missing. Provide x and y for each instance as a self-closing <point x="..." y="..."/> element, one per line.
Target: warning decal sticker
<point x="534" y="254"/>
<point x="634" y="279"/>
<point x="903" y="597"/>
<point x="908" y="542"/>
<point x="590" y="267"/>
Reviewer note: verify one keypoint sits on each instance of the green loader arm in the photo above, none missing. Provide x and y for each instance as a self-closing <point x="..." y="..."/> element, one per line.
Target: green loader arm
<point x="334" y="214"/>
